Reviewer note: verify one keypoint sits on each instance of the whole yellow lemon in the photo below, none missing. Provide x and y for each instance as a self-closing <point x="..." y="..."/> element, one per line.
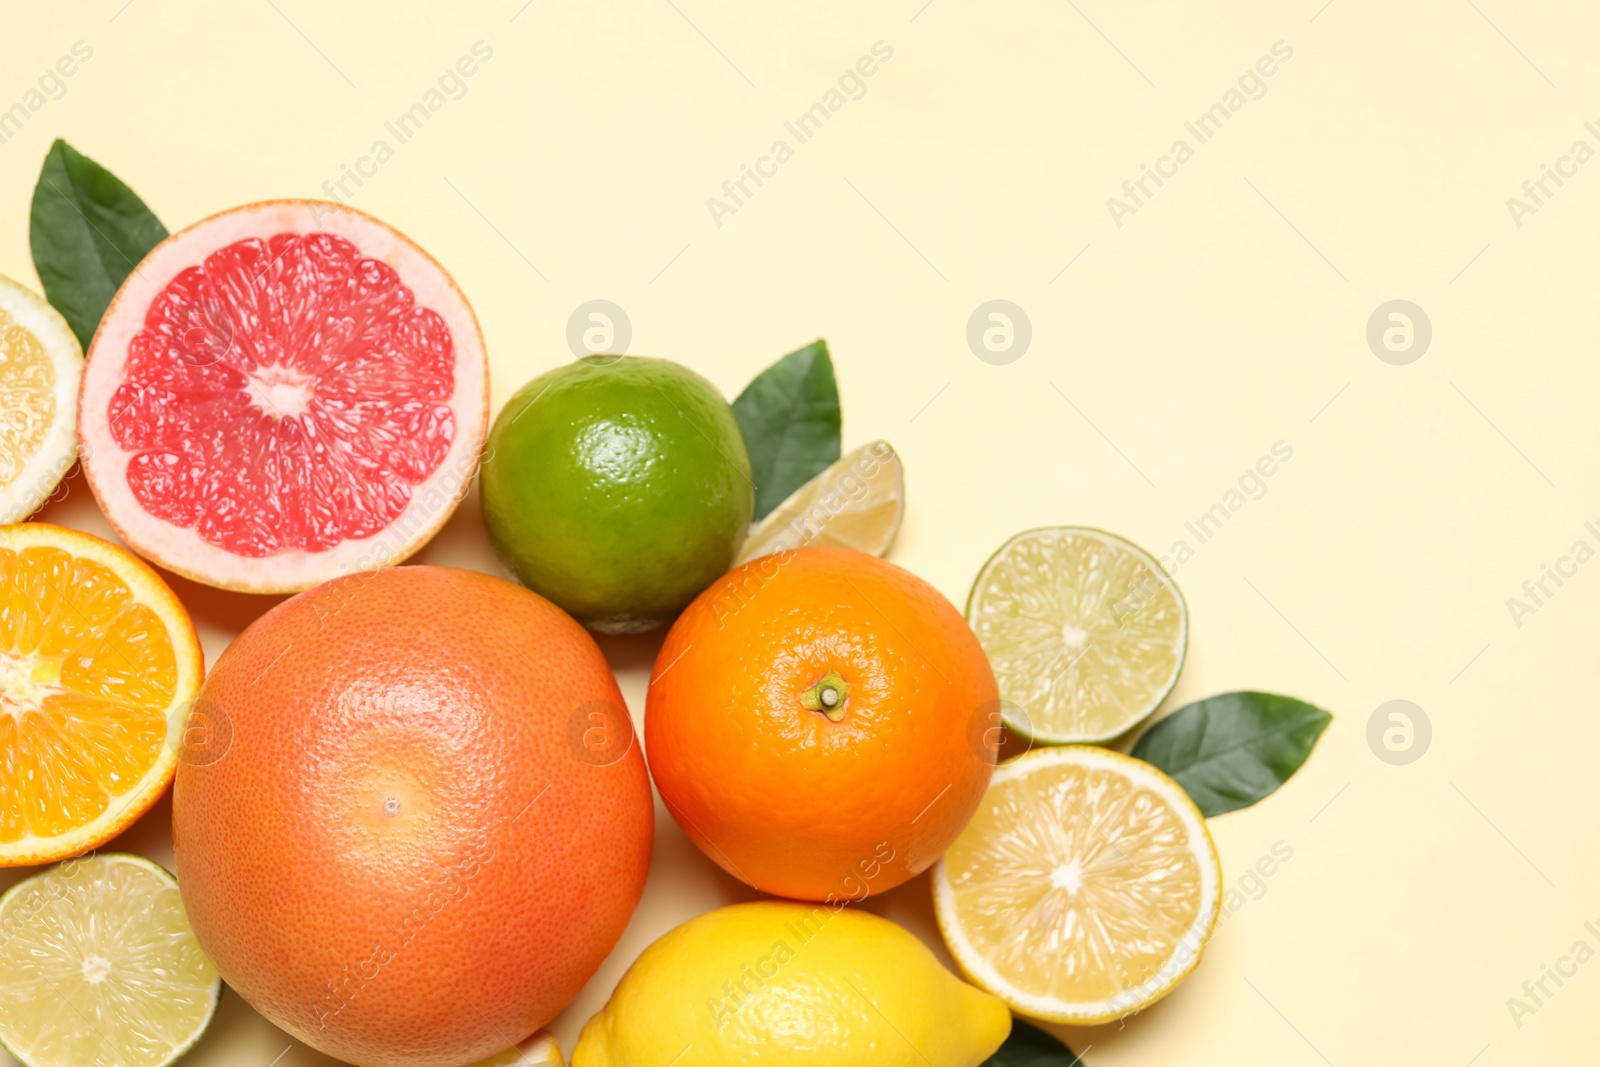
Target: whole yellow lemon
<point x="792" y="985"/>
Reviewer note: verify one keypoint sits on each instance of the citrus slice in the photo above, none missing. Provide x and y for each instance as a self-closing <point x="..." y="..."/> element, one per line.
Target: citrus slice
<point x="540" y="1050"/>
<point x="1084" y="889"/>
<point x="40" y="365"/>
<point x="96" y="658"/>
<point x="98" y="967"/>
<point x="857" y="502"/>
<point x="1086" y="633"/>
<point x="281" y="394"/>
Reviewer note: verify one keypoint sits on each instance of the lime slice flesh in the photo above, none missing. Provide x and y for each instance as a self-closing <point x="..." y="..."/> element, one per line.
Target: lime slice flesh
<point x="1085" y="632"/>
<point x="857" y="502"/>
<point x="99" y="968"/>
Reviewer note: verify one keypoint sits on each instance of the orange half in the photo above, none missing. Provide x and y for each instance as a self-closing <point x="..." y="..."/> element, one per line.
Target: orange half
<point x="97" y="657"/>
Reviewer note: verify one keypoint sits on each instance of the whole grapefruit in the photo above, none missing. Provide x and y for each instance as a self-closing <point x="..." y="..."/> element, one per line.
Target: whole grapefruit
<point x="420" y="820"/>
<point x="818" y="723"/>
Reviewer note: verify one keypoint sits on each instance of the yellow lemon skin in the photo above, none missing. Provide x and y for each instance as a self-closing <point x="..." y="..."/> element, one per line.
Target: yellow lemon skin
<point x="792" y="985"/>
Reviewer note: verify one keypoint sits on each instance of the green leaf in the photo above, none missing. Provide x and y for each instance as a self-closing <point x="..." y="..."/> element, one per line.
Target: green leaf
<point x="88" y="231"/>
<point x="1230" y="750"/>
<point x="1030" y="1047"/>
<point x="790" y="419"/>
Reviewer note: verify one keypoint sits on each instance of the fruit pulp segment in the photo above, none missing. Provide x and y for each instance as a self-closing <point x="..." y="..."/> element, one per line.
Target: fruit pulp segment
<point x="286" y="394"/>
<point x="86" y="676"/>
<point x="1075" y="883"/>
<point x="854" y="503"/>
<point x="27" y="397"/>
<point x="1081" y="633"/>
<point x="99" y="968"/>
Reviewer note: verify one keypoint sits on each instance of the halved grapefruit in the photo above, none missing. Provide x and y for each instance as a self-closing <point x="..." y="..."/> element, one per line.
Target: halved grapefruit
<point x="283" y="393"/>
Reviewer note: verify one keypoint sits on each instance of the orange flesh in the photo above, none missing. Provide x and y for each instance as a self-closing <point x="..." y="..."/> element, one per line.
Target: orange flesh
<point x="87" y="673"/>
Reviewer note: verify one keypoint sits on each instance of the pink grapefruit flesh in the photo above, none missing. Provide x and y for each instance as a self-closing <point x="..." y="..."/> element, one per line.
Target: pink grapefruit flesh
<point x="280" y="394"/>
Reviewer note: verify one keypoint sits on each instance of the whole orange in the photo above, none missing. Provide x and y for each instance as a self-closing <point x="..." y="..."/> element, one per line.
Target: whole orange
<point x="412" y="818"/>
<point x="817" y="723"/>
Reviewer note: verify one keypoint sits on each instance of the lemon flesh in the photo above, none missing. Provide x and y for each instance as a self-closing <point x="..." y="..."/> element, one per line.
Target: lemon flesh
<point x="1084" y="888"/>
<point x="857" y="502"/>
<point x="792" y="985"/>
<point x="40" y="366"/>
<point x="1085" y="632"/>
<point x="99" y="968"/>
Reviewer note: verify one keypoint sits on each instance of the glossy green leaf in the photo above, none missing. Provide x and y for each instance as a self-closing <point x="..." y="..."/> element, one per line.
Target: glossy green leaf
<point x="1031" y="1047"/>
<point x="1230" y="750"/>
<point x="88" y="231"/>
<point x="791" y="423"/>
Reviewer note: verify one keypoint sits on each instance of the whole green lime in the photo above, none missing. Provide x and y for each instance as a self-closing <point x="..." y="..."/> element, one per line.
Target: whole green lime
<point x="617" y="487"/>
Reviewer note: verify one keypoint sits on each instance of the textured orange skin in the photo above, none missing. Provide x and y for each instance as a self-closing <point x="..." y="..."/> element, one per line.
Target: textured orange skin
<point x="779" y="796"/>
<point x="457" y="925"/>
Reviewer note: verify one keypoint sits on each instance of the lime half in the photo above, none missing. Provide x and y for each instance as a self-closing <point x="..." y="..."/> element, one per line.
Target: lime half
<point x="1085" y="632"/>
<point x="99" y="968"/>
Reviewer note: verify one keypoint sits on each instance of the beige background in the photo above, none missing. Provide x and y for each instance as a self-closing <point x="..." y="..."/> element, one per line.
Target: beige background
<point x="1226" y="314"/>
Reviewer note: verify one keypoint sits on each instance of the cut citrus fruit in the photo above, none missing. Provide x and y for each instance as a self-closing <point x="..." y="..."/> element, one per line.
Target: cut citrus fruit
<point x="98" y="967"/>
<point x="1084" y="889"/>
<point x="97" y="657"/>
<point x="40" y="364"/>
<point x="857" y="502"/>
<point x="540" y="1050"/>
<point x="283" y="393"/>
<point x="1086" y="633"/>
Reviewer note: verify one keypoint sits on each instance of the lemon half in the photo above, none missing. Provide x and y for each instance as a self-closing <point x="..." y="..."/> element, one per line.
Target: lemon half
<point x="1084" y="889"/>
<point x="40" y="365"/>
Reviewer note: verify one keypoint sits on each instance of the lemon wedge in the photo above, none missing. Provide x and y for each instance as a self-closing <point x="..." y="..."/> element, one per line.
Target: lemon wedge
<point x="857" y="502"/>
